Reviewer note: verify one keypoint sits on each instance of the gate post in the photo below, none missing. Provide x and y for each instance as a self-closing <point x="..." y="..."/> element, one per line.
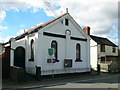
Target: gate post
<point x="98" y="69"/>
<point x="38" y="73"/>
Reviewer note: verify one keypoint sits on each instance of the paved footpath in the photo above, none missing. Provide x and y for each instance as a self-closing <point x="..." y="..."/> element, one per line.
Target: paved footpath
<point x="67" y="82"/>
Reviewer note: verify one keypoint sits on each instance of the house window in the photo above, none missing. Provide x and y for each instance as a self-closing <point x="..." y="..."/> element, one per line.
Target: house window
<point x="66" y="22"/>
<point x="102" y="48"/>
<point x="32" y="45"/>
<point x="102" y="59"/>
<point x="54" y="45"/>
<point x="113" y="49"/>
<point x="78" y="52"/>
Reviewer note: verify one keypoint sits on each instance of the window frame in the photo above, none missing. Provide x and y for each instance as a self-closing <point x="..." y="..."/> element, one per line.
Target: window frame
<point x="68" y="32"/>
<point x="102" y="48"/>
<point x="56" y="49"/>
<point x="66" y="22"/>
<point x="78" y="53"/>
<point x="114" y="49"/>
<point x="32" y="47"/>
<point x="101" y="59"/>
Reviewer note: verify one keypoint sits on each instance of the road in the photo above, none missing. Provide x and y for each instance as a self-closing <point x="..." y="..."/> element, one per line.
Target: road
<point x="92" y="82"/>
<point x="106" y="81"/>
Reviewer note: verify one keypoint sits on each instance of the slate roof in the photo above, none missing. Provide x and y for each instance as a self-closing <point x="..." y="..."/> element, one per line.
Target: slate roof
<point x="101" y="40"/>
<point x="38" y="27"/>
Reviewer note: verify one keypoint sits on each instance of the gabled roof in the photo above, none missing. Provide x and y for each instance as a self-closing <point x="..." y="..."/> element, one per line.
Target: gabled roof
<point x="101" y="40"/>
<point x="36" y="28"/>
<point x="40" y="26"/>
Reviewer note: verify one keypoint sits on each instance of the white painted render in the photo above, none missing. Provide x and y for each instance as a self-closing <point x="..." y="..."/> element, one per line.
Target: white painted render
<point x="66" y="49"/>
<point x="93" y="54"/>
<point x="108" y="51"/>
<point x="1" y="48"/>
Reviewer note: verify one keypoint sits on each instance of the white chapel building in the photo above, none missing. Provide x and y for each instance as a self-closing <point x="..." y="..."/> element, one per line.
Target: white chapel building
<point x="57" y="46"/>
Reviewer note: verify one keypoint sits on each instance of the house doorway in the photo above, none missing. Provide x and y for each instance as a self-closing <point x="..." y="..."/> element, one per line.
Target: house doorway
<point x="19" y="57"/>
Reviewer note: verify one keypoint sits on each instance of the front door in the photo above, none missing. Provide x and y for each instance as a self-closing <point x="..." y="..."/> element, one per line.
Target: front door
<point x="19" y="57"/>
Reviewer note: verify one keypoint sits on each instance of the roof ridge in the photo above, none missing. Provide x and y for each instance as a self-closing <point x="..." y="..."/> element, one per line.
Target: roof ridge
<point x="100" y="40"/>
<point x="98" y="36"/>
<point x="45" y="23"/>
<point x="35" y="28"/>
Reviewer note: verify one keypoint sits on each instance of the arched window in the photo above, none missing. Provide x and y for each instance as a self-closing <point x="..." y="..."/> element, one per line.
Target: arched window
<point x="32" y="50"/>
<point x="68" y="32"/>
<point x="54" y="45"/>
<point x="78" y="51"/>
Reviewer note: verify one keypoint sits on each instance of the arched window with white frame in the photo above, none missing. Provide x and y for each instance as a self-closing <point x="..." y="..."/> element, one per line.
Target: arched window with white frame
<point x="78" y="52"/>
<point x="32" y="45"/>
<point x="54" y="45"/>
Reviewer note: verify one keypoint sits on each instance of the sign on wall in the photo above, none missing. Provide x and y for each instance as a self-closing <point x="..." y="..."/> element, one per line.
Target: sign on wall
<point x="50" y="51"/>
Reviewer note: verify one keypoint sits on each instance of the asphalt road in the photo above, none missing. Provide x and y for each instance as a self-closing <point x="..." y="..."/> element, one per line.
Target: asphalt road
<point x="108" y="82"/>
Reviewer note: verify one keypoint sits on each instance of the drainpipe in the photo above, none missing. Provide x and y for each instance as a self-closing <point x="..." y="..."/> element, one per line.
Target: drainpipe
<point x="12" y="40"/>
<point x="67" y="44"/>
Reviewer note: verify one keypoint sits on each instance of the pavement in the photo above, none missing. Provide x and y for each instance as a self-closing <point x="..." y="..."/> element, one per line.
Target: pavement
<point x="9" y="84"/>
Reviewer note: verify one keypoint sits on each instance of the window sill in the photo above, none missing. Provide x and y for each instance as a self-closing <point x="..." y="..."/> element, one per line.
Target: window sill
<point x="102" y="51"/>
<point x="31" y="60"/>
<point x="78" y="60"/>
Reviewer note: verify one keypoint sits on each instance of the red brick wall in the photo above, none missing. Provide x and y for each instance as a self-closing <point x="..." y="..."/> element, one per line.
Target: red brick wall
<point x="111" y="58"/>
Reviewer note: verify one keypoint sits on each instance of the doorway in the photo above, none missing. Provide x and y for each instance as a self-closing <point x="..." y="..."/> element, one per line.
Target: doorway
<point x="19" y="57"/>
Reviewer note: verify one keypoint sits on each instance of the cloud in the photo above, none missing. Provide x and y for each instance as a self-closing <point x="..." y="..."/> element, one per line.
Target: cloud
<point x="1" y="27"/>
<point x="3" y="40"/>
<point x="20" y="32"/>
<point x="21" y="4"/>
<point x="116" y="41"/>
<point x="2" y="15"/>
<point x="98" y="14"/>
<point x="22" y="25"/>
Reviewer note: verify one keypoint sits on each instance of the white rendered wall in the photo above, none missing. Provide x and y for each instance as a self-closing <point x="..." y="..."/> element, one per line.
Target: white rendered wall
<point x="45" y="43"/>
<point x="14" y="45"/>
<point x="42" y="43"/>
<point x="1" y="48"/>
<point x="108" y="51"/>
<point x="93" y="54"/>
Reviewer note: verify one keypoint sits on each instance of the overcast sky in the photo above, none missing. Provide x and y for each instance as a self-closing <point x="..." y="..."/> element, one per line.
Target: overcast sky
<point x="100" y="15"/>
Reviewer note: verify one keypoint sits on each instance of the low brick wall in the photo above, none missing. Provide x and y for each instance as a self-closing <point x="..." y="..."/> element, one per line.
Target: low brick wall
<point x="111" y="67"/>
<point x="17" y="73"/>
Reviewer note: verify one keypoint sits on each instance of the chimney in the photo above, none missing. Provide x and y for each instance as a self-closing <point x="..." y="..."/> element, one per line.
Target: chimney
<point x="87" y="30"/>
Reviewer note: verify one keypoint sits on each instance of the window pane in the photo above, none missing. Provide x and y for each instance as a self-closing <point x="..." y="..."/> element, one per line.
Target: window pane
<point x="32" y="50"/>
<point x="54" y="45"/>
<point x="113" y="49"/>
<point x="78" y="52"/>
<point x="102" y="48"/>
<point x="66" y="22"/>
<point x="102" y="59"/>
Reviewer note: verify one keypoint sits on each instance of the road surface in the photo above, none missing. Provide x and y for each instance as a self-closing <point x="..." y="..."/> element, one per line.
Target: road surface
<point x="108" y="82"/>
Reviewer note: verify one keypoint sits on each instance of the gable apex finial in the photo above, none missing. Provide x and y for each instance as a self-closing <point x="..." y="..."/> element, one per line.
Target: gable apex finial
<point x="66" y="10"/>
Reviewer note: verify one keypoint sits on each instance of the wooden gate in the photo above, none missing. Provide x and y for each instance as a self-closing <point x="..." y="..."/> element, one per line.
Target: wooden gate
<point x="19" y="57"/>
